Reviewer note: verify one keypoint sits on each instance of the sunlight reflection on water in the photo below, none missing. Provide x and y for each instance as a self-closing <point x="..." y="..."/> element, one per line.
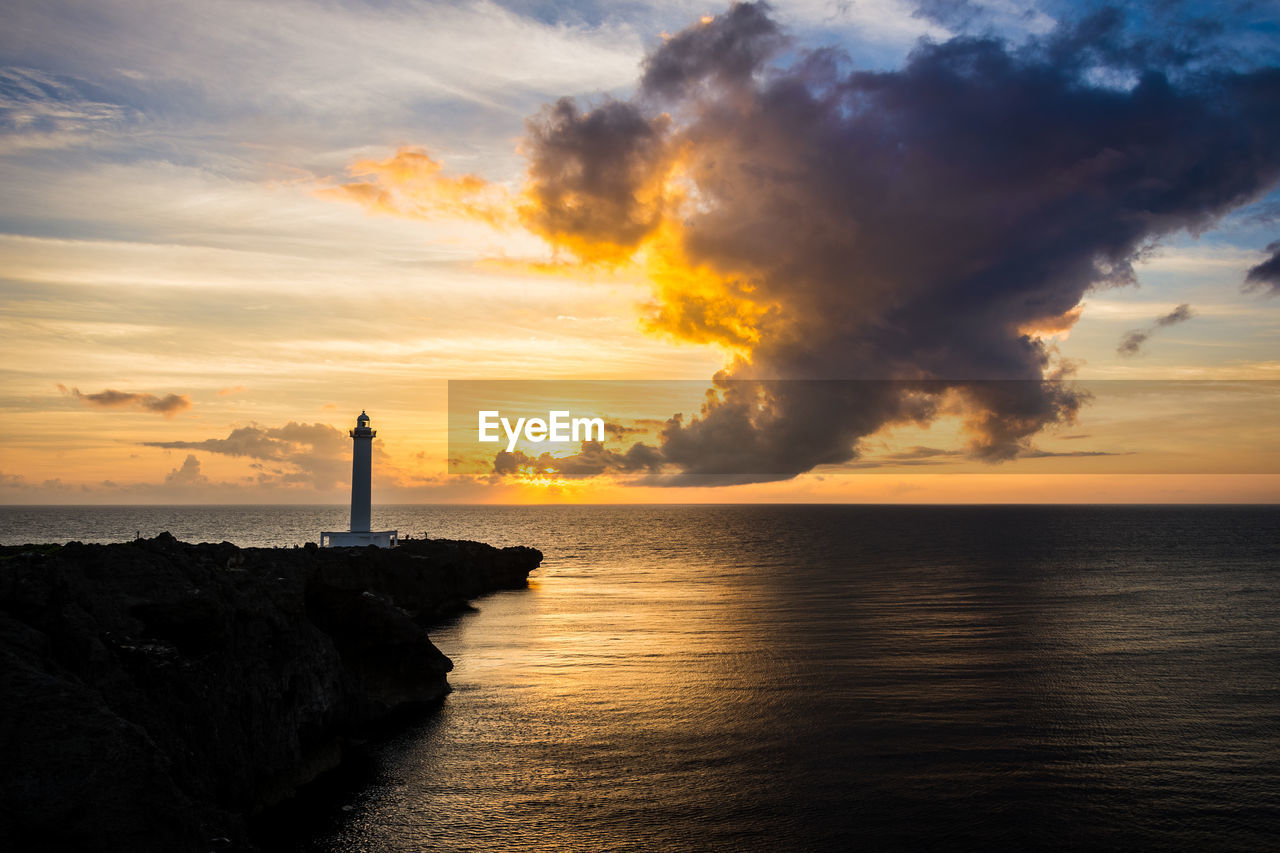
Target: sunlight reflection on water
<point x="819" y="678"/>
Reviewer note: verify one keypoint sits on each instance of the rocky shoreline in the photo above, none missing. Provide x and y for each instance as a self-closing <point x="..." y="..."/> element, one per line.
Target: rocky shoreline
<point x="156" y="694"/>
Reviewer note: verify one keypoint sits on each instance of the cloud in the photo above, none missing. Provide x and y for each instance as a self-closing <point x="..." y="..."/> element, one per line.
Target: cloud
<point x="12" y="481"/>
<point x="410" y="183"/>
<point x="893" y="245"/>
<point x="316" y="454"/>
<point x="324" y="73"/>
<point x="635" y="427"/>
<point x="1266" y="275"/>
<point x="593" y="460"/>
<point x="721" y="54"/>
<point x="1131" y="343"/>
<point x="187" y="475"/>
<point x="825" y="222"/>
<point x="596" y="183"/>
<point x="41" y="111"/>
<point x="954" y="14"/>
<point x="1178" y="315"/>
<point x="920" y="452"/>
<point x="1262" y="213"/>
<point x="168" y="405"/>
<point x="1058" y="326"/>
<point x="913" y="457"/>
<point x="227" y="392"/>
<point x="1037" y="453"/>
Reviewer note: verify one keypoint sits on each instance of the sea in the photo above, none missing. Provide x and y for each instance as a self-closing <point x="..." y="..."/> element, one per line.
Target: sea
<point x="819" y="678"/>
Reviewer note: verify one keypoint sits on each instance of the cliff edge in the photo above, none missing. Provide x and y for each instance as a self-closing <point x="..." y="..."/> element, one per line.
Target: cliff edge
<point x="155" y="693"/>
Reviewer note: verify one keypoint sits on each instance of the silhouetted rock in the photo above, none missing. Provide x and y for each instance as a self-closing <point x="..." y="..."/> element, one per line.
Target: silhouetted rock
<point x="154" y="693"/>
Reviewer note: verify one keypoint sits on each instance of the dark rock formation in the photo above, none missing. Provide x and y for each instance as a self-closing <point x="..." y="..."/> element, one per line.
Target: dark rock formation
<point x="155" y="693"/>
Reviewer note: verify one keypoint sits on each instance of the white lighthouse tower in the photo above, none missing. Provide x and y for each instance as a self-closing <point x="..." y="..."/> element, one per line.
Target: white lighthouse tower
<point x="361" y="473"/>
<point x="361" y="496"/>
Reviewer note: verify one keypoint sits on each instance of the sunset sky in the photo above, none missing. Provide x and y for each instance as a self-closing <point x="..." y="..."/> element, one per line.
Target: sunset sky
<point x="228" y="227"/>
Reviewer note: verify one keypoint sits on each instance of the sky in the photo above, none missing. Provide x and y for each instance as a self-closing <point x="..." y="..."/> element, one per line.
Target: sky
<point x="923" y="251"/>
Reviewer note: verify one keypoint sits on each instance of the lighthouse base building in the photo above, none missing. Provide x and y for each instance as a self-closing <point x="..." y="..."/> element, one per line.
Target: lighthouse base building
<point x="360" y="535"/>
<point x="356" y="539"/>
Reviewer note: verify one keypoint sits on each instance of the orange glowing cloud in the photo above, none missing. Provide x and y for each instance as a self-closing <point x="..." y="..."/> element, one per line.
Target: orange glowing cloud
<point x="695" y="301"/>
<point x="411" y="184"/>
<point x="1055" y="326"/>
<point x="612" y="187"/>
<point x="609" y="190"/>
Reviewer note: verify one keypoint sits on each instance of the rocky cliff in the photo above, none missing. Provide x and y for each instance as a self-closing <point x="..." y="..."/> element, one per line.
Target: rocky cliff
<point x="155" y="693"/>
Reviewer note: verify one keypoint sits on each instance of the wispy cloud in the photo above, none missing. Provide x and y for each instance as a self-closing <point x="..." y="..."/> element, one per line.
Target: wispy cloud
<point x="303" y="73"/>
<point x="168" y="405"/>
<point x="1133" y="340"/>
<point x="40" y="111"/>
<point x="1266" y="275"/>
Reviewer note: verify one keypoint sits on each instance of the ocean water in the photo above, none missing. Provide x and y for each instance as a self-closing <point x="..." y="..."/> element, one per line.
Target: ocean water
<point x="797" y="678"/>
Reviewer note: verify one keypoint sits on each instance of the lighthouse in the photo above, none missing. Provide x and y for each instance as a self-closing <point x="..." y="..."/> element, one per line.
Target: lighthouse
<point x="361" y="473"/>
<point x="361" y="496"/>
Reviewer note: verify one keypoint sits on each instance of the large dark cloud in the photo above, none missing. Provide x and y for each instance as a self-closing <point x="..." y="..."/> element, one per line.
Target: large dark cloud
<point x="909" y="225"/>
